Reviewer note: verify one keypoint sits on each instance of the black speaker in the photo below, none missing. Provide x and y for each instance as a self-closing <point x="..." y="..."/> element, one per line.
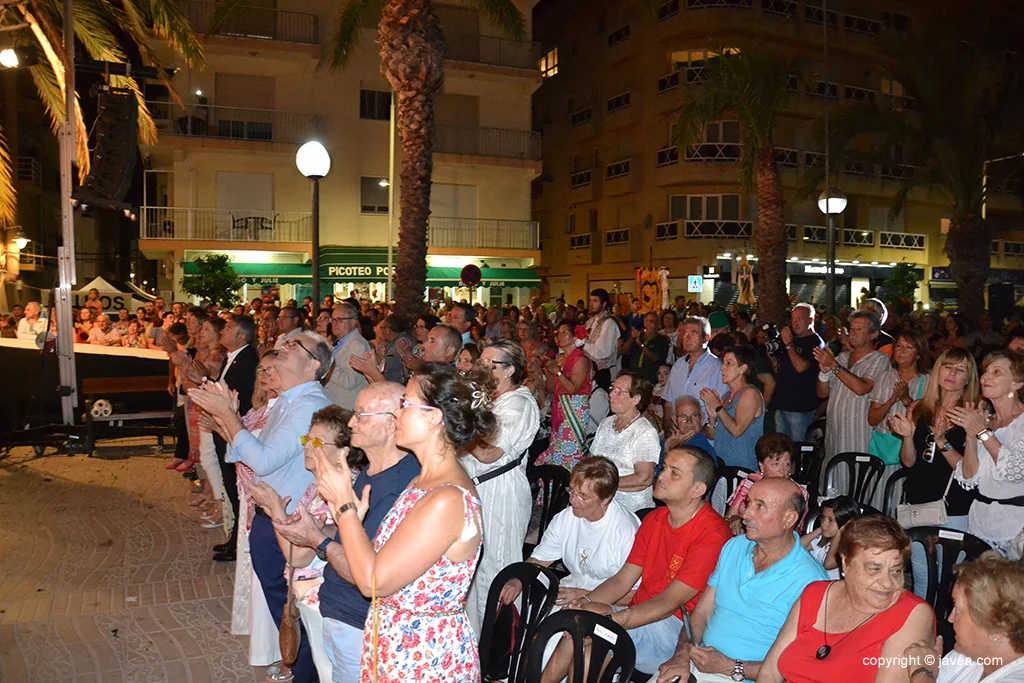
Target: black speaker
<point x="113" y="161"/>
<point x="1000" y="301"/>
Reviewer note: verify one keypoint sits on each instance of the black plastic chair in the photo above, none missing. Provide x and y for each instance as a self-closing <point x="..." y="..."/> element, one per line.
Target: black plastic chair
<point x="939" y="592"/>
<point x="540" y="588"/>
<point x="807" y="469"/>
<point x="552" y="483"/>
<point x="895" y="491"/>
<point x="731" y="477"/>
<point x="611" y="656"/>
<point x="643" y="512"/>
<point x="815" y="433"/>
<point x="866" y="473"/>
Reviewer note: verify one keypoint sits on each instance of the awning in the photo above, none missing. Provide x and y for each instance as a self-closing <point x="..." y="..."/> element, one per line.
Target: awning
<point x="492" y="277"/>
<point x="264" y="273"/>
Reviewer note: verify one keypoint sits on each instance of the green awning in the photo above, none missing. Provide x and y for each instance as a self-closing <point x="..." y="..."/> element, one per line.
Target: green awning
<point x="492" y="277"/>
<point x="264" y="273"/>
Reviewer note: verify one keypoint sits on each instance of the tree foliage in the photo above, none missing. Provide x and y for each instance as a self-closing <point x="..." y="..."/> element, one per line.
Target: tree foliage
<point x="216" y="283"/>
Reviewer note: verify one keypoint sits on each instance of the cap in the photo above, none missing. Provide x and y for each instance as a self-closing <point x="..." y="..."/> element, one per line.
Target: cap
<point x="718" y="320"/>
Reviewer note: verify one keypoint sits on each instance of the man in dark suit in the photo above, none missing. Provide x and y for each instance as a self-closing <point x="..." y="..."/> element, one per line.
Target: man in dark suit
<point x="240" y="375"/>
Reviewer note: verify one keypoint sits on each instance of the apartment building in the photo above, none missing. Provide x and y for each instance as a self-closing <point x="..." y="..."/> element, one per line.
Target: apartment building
<point x="222" y="177"/>
<point x="616" y="193"/>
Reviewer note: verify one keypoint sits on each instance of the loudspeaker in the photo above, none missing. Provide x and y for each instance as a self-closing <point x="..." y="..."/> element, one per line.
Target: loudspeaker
<point x="1000" y="301"/>
<point x="113" y="161"/>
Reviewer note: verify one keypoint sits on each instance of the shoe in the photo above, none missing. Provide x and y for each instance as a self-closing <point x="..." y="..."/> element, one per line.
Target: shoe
<point x="185" y="466"/>
<point x="191" y="475"/>
<point x="174" y="464"/>
<point x="199" y="502"/>
<point x="223" y="547"/>
<point x="224" y="557"/>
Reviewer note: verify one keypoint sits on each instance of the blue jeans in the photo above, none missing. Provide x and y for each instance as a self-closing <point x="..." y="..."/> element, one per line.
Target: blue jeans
<point x="792" y="424"/>
<point x="344" y="645"/>
<point x="918" y="559"/>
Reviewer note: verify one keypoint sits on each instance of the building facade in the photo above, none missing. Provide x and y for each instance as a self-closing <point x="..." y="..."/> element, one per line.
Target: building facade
<point x="222" y="177"/>
<point x="616" y="193"/>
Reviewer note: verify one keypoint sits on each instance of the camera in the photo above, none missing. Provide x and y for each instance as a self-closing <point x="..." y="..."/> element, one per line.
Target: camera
<point x="773" y="343"/>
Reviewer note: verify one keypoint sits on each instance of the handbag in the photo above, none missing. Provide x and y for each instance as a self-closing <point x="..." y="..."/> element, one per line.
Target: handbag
<point x="885" y="447"/>
<point x="289" y="636"/>
<point x="924" y="514"/>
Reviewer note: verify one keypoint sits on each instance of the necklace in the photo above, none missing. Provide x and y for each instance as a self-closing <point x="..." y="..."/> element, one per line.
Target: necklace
<point x="627" y="426"/>
<point x="826" y="649"/>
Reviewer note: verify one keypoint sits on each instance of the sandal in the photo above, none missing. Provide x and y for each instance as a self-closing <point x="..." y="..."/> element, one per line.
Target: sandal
<point x="174" y="464"/>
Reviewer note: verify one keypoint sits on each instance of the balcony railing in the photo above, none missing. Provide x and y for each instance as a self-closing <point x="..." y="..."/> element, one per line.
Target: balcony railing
<point x="815" y="234"/>
<point x="487" y="142"/>
<point x="233" y="123"/>
<point x="30" y="171"/>
<point x="225" y="225"/>
<point x="783" y="8"/>
<point x="260" y="23"/>
<point x="483" y="233"/>
<point x="666" y="231"/>
<point x="492" y="50"/>
<point x="668" y="82"/>
<point x="1013" y="249"/>
<point x="897" y="171"/>
<point x="714" y="151"/>
<point x="786" y="157"/>
<point x="719" y="229"/>
<point x="706" y="4"/>
<point x="901" y="240"/>
<point x="859" y="238"/>
<point x="667" y="156"/>
<point x="577" y="242"/>
<point x="579" y="179"/>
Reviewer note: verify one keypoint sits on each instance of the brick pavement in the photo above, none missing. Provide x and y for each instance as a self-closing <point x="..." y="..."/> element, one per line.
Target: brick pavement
<point x="105" y="576"/>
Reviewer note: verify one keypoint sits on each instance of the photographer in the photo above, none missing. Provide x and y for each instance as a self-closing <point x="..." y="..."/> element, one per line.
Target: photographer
<point x="796" y="400"/>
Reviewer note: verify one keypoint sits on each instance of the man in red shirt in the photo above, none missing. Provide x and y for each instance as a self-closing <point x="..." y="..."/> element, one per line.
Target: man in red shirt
<point x="674" y="553"/>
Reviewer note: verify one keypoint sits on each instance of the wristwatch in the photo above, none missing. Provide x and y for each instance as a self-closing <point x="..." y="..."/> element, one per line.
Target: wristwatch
<point x="835" y="370"/>
<point x="986" y="434"/>
<point x="737" y="671"/>
<point x="321" y="550"/>
<point x="558" y="374"/>
<point x="719" y="408"/>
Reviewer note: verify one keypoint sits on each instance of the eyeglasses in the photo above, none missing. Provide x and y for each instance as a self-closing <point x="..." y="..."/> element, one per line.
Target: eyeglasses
<point x="492" y="363"/>
<point x="265" y="371"/>
<point x="576" y="494"/>
<point x="409" y="404"/>
<point x="360" y="416"/>
<point x="619" y="391"/>
<point x="689" y="418"/>
<point x="338" y="320"/>
<point x="295" y="342"/>
<point x="315" y="442"/>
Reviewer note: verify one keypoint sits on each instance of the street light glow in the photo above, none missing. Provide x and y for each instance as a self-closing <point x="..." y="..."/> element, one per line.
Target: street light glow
<point x="383" y="182"/>
<point x="9" y="58"/>
<point x="833" y="203"/>
<point x="313" y="161"/>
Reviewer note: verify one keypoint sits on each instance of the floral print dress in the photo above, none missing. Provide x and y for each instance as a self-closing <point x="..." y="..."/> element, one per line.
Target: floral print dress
<point x="423" y="631"/>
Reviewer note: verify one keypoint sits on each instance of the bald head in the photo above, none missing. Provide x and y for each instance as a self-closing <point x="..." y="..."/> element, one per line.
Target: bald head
<point x="775" y="507"/>
<point x="383" y="396"/>
<point x="373" y="423"/>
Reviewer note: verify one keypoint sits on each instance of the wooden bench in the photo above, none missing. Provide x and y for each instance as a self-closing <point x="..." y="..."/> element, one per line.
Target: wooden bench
<point x="113" y="426"/>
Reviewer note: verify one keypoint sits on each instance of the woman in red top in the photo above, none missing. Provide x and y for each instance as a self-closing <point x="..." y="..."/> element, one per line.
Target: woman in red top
<point x="857" y="628"/>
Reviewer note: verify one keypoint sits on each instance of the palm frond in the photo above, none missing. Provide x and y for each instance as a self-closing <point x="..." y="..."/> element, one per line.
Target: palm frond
<point x="51" y="93"/>
<point x="504" y="14"/>
<point x="8" y="193"/>
<point x="223" y="12"/>
<point x="170" y="23"/>
<point x="348" y="28"/>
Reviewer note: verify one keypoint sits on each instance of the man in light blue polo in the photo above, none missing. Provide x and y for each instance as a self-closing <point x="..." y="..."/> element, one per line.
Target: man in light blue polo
<point x="697" y="369"/>
<point x="759" y="577"/>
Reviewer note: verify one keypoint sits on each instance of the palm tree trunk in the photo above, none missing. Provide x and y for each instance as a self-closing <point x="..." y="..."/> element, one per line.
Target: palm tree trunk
<point x="770" y="238"/>
<point x="967" y="246"/>
<point x="412" y="55"/>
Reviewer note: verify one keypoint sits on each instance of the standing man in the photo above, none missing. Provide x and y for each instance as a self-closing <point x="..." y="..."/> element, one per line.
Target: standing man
<point x="602" y="342"/>
<point x="493" y="331"/>
<point x="345" y="383"/>
<point x="696" y="370"/>
<point x="462" y="316"/>
<point x="796" y="400"/>
<point x="239" y="373"/>
<point x="269" y="329"/>
<point x="289" y="323"/>
<point x="31" y="325"/>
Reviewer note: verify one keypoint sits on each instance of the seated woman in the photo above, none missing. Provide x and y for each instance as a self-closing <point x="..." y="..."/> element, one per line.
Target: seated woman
<point x="592" y="537"/>
<point x="857" y="628"/>
<point x="823" y="542"/>
<point x="776" y="455"/>
<point x="989" y="637"/>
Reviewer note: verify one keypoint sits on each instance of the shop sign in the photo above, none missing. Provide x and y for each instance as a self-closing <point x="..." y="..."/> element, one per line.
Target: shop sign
<point x="822" y="270"/>
<point x="359" y="271"/>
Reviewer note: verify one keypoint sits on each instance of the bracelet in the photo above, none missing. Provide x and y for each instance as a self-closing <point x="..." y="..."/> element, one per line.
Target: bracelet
<point x="345" y="508"/>
<point x="587" y="598"/>
<point x="923" y="670"/>
<point x="823" y="377"/>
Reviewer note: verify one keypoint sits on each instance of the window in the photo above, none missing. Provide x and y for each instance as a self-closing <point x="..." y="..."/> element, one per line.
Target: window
<point x="618" y="102"/>
<point x="714" y="207"/>
<point x="823" y="90"/>
<point x="896" y="21"/>
<point x="815" y="14"/>
<point x="374" y="105"/>
<point x="891" y="87"/>
<point x="855" y="94"/>
<point x="580" y="117"/>
<point x="721" y="142"/>
<point x="373" y="195"/>
<point x="617" y="170"/>
<point x="668" y="9"/>
<point x="581" y="179"/>
<point x="549" y="63"/>
<point x="618" y="35"/>
<point x="579" y="241"/>
<point x="614" y="238"/>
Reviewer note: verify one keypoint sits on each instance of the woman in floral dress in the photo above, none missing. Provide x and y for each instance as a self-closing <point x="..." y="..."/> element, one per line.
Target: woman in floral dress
<point x="569" y="377"/>
<point x="419" y="566"/>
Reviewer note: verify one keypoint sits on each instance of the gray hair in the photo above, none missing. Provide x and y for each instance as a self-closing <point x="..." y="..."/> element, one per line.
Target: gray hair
<point x="683" y="400"/>
<point x="450" y="337"/>
<point x="320" y="350"/>
<point x="512" y="353"/>
<point x="874" y="324"/>
<point x="878" y="307"/>
<point x="810" y="309"/>
<point x="702" y="323"/>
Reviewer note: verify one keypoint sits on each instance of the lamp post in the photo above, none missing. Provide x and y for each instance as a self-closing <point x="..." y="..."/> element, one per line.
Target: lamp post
<point x="314" y="162"/>
<point x="831" y="203"/>
<point x="20" y="239"/>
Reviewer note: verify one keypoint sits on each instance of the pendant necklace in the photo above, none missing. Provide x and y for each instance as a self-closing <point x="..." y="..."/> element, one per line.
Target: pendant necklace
<point x="826" y="649"/>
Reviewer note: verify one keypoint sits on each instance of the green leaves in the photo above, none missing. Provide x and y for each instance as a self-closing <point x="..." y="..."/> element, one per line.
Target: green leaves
<point x="216" y="283"/>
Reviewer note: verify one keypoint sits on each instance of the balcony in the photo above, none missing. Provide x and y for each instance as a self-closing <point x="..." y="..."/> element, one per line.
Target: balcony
<point x="902" y="240"/>
<point x="492" y="50"/>
<point x="233" y="123"/>
<point x="483" y="233"/>
<point x="29" y="171"/>
<point x="255" y="23"/>
<point x="719" y="229"/>
<point x="225" y="225"/>
<point x="487" y="142"/>
<point x="714" y="151"/>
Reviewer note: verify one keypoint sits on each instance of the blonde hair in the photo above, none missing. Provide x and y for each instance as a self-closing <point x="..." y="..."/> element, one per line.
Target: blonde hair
<point x="994" y="590"/>
<point x="928" y="406"/>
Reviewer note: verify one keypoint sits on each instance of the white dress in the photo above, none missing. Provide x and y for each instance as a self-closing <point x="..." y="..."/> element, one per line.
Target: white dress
<point x="636" y="443"/>
<point x="506" y="499"/>
<point x="819" y="552"/>
<point x="958" y="668"/>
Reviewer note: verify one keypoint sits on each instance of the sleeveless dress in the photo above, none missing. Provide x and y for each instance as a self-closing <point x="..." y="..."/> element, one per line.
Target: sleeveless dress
<point x="849" y="658"/>
<point x="569" y="416"/>
<point x="423" y="630"/>
<point x="738" y="451"/>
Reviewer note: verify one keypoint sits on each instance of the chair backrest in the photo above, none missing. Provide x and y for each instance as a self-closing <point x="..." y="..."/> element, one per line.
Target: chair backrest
<point x="553" y="481"/>
<point x="865" y="474"/>
<point x="815" y="434"/>
<point x="807" y="468"/>
<point x="643" y="512"/>
<point x="730" y="478"/>
<point x="540" y="589"/>
<point x="608" y="641"/>
<point x="939" y="592"/>
<point x="895" y="491"/>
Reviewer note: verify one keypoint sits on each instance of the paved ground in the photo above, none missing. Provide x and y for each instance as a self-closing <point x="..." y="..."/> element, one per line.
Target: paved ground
<point x="106" y="576"/>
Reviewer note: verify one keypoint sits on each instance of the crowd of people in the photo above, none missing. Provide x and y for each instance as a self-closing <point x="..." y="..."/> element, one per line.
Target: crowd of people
<point x="293" y="416"/>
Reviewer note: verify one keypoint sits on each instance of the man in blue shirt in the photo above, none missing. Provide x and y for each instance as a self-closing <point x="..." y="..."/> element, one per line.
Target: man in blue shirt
<point x="697" y="369"/>
<point x="759" y="577"/>
<point x="342" y="605"/>
<point x="690" y="423"/>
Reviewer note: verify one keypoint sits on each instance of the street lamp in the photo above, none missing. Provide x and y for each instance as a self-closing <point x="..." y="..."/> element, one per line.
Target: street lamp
<point x="314" y="162"/>
<point x="21" y="240"/>
<point x="831" y="203"/>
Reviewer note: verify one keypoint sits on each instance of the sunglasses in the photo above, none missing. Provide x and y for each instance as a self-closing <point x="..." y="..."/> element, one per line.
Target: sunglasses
<point x="316" y="442"/>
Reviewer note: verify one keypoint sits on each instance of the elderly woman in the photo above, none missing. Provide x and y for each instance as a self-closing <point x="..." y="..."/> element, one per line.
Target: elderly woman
<point x="526" y="332"/>
<point x="736" y="420"/>
<point x="628" y="439"/>
<point x="776" y="457"/>
<point x="498" y="468"/>
<point x="994" y="454"/>
<point x="989" y="637"/>
<point x="854" y="629"/>
<point x="569" y="378"/>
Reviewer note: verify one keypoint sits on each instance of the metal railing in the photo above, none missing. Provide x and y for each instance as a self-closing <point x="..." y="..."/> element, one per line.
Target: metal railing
<point x="668" y="9"/>
<point x="479" y="49"/>
<point x="791" y="231"/>
<point x="487" y="142"/>
<point x="261" y="23"/>
<point x="668" y="82"/>
<point x="897" y="171"/>
<point x="783" y="8"/>
<point x="31" y="255"/>
<point x="815" y="234"/>
<point x="707" y="4"/>
<point x="787" y="157"/>
<point x="483" y="233"/>
<point x="30" y="171"/>
<point x="233" y="123"/>
<point x="225" y="225"/>
<point x="1013" y="249"/>
<point x="714" y="151"/>
<point x="579" y="179"/>
<point x="901" y="240"/>
<point x="718" y="229"/>
<point x="862" y="25"/>
<point x="577" y="242"/>
<point x="667" y="156"/>
<point x="614" y="238"/>
<point x="858" y="238"/>
<point x="666" y="231"/>
<point x="859" y="168"/>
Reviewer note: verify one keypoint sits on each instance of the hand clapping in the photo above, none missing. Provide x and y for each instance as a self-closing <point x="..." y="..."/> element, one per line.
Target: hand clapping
<point x="826" y="359"/>
<point x="711" y="399"/>
<point x="970" y="416"/>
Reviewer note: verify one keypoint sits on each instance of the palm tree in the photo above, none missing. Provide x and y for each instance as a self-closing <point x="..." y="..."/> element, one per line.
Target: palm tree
<point x="752" y="85"/>
<point x="412" y="58"/>
<point x="97" y="24"/>
<point x="961" y="105"/>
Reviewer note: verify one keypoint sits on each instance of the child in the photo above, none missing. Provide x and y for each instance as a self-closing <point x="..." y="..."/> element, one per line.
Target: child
<point x="657" y="406"/>
<point x="823" y="542"/>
